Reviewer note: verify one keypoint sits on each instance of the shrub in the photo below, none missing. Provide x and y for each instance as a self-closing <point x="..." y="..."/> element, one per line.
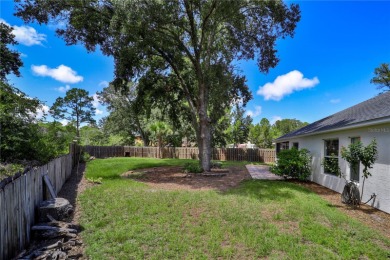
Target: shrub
<point x="7" y="170"/>
<point x="193" y="167"/>
<point x="85" y="157"/>
<point x="293" y="163"/>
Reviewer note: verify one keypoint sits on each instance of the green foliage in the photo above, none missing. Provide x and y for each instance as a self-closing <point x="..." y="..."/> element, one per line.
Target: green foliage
<point x="356" y="153"/>
<point x="160" y="132"/>
<point x="10" y="61"/>
<point x="98" y="180"/>
<point x="19" y="133"/>
<point x="260" y="134"/>
<point x="368" y="156"/>
<point x="382" y="77"/>
<point x="55" y="138"/>
<point x="286" y="126"/>
<point x="238" y="130"/>
<point x="352" y="154"/>
<point x="127" y="115"/>
<point x="193" y="167"/>
<point x="293" y="163"/>
<point x="75" y="106"/>
<point x="85" y="157"/>
<point x="92" y="135"/>
<point x="331" y="165"/>
<point x="10" y="169"/>
<point x="183" y="51"/>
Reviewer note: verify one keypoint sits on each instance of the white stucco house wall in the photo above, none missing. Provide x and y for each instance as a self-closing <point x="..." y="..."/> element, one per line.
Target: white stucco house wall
<point x="324" y="139"/>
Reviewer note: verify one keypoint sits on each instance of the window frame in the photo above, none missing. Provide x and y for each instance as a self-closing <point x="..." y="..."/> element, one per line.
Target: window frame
<point x="330" y="156"/>
<point x="282" y="146"/>
<point x="355" y="177"/>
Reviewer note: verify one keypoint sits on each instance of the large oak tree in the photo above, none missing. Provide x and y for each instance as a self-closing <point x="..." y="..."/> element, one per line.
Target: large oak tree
<point x="191" y="42"/>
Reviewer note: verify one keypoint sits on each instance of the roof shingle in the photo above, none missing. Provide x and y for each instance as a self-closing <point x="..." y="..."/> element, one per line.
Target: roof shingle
<point x="374" y="108"/>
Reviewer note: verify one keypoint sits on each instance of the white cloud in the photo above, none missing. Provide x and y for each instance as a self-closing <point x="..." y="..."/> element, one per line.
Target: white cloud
<point x="99" y="112"/>
<point x="103" y="84"/>
<point x="64" y="122"/>
<point x="286" y="84"/>
<point x="95" y="101"/>
<point x="255" y="113"/>
<point x="274" y="119"/>
<point x="63" y="89"/>
<point x="62" y="73"/>
<point x="26" y="35"/>
<point x="42" y="111"/>
<point x="335" y="101"/>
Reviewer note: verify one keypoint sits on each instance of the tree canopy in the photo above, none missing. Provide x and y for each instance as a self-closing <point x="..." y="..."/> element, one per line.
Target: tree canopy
<point x="238" y="130"/>
<point x="10" y="61"/>
<point x="75" y="106"/>
<point x="187" y="46"/>
<point x="382" y="77"/>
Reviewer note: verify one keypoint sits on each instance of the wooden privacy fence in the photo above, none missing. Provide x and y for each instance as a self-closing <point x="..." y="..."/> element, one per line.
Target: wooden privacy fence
<point x="21" y="194"/>
<point x="221" y="154"/>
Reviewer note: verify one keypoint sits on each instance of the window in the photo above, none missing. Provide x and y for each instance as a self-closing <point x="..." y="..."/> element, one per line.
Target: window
<point x="331" y="158"/>
<point x="281" y="146"/>
<point x="355" y="169"/>
<point x="295" y="145"/>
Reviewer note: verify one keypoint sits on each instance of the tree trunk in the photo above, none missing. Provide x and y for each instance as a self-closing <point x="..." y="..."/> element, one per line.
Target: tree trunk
<point x="59" y="208"/>
<point x="204" y="140"/>
<point x="205" y="146"/>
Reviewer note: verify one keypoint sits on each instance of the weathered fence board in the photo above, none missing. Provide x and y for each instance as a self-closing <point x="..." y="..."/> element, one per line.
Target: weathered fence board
<point x="221" y="154"/>
<point x="20" y="196"/>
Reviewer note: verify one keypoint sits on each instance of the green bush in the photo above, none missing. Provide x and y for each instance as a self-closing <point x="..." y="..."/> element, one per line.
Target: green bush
<point x="85" y="157"/>
<point x="7" y="170"/>
<point x="293" y="163"/>
<point x="193" y="167"/>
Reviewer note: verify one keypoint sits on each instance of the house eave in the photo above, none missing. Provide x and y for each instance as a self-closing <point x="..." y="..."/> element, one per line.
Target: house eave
<point x="357" y="125"/>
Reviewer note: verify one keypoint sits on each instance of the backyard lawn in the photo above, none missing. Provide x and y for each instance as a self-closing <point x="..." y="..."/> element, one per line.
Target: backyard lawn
<point x="123" y="218"/>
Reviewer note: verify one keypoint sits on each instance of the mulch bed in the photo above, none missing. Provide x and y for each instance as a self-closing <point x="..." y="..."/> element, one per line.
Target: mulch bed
<point x="173" y="178"/>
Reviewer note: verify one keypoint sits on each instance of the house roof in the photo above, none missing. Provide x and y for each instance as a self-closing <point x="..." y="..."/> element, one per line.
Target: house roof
<point x="372" y="109"/>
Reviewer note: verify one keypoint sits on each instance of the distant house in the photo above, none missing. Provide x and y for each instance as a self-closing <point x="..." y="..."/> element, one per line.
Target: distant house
<point x="324" y="138"/>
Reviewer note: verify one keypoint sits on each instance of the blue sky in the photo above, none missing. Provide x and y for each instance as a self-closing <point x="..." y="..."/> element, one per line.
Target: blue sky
<point x="325" y="68"/>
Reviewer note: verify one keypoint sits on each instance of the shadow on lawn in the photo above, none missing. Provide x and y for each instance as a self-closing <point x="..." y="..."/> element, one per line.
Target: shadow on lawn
<point x="277" y="190"/>
<point x="70" y="189"/>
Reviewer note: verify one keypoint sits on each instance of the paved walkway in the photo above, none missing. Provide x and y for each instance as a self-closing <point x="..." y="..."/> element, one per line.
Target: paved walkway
<point x="261" y="172"/>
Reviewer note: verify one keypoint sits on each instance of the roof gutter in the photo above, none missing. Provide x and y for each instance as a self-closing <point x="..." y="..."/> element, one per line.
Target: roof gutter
<point x="357" y="125"/>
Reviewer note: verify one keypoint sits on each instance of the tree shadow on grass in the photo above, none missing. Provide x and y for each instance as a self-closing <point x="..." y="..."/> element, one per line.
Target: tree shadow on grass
<point x="276" y="190"/>
<point x="71" y="187"/>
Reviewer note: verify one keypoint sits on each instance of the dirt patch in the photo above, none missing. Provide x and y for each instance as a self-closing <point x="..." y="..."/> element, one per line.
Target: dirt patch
<point x="370" y="216"/>
<point x="173" y="178"/>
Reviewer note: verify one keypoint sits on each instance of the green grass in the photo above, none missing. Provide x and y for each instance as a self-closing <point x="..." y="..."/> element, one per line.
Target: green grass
<point x="125" y="219"/>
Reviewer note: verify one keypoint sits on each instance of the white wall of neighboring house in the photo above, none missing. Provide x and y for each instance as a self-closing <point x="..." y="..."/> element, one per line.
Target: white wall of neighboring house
<point x="378" y="183"/>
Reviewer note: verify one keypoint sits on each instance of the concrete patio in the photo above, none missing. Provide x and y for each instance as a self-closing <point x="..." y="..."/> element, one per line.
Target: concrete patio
<point x="261" y="172"/>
